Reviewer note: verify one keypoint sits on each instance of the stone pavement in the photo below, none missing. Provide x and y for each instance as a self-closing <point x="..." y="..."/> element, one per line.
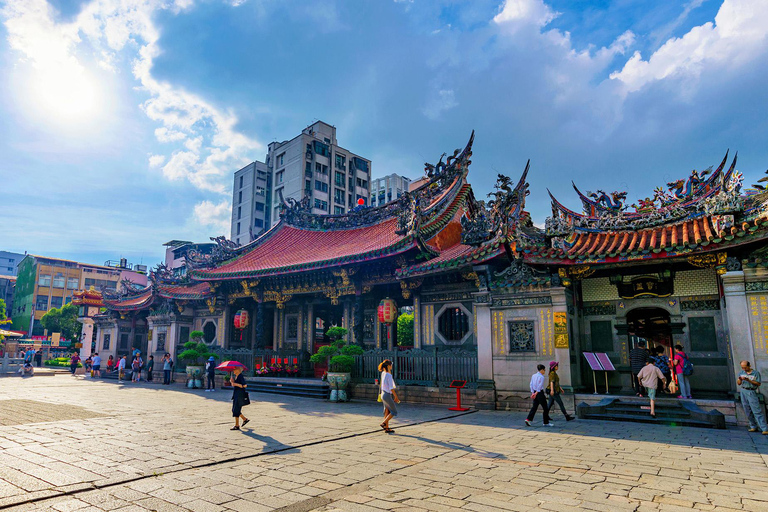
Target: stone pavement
<point x="148" y="447"/>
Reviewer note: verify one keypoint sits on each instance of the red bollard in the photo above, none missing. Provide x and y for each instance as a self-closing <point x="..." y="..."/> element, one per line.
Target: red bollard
<point x="458" y="384"/>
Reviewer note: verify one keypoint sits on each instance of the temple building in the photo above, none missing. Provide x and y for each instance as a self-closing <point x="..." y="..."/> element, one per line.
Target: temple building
<point x="685" y="266"/>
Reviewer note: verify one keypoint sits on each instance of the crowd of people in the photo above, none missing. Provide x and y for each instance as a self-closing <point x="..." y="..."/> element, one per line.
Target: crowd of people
<point x="138" y="368"/>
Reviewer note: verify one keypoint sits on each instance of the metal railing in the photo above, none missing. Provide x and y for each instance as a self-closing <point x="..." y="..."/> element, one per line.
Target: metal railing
<point x="254" y="359"/>
<point x="427" y="367"/>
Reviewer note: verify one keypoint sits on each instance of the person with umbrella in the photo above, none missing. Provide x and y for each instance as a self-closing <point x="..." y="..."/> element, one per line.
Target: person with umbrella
<point x="239" y="394"/>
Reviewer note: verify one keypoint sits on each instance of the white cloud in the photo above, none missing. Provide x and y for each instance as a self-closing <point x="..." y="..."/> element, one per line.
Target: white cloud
<point x="156" y="160"/>
<point x="439" y="101"/>
<point x="213" y="145"/>
<point x="737" y="36"/>
<point x="514" y="13"/>
<point x="213" y="215"/>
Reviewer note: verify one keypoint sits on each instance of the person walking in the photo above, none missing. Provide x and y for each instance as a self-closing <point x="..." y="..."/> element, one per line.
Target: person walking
<point x="210" y="370"/>
<point x="121" y="369"/>
<point x="238" y="397"/>
<point x="167" y="367"/>
<point x="96" y="365"/>
<point x="538" y="397"/>
<point x="555" y="390"/>
<point x="88" y="365"/>
<point x="136" y="368"/>
<point x="637" y="359"/>
<point x="150" y="368"/>
<point x="750" y="381"/>
<point x="73" y="362"/>
<point x="39" y="358"/>
<point x="661" y="361"/>
<point x="388" y="394"/>
<point x="28" y="355"/>
<point x="110" y="364"/>
<point x="649" y="378"/>
<point x="679" y="362"/>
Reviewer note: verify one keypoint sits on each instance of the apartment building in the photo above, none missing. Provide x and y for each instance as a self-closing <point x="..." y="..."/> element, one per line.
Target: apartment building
<point x="9" y="261"/>
<point x="388" y="188"/>
<point x="44" y="283"/>
<point x="251" y="202"/>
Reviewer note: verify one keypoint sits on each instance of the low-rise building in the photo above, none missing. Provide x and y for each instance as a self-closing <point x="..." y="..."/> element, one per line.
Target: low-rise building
<point x="9" y="261"/>
<point x="389" y="188"/>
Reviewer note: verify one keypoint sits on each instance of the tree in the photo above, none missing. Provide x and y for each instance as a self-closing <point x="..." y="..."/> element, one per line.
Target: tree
<point x="3" y="319"/>
<point x="338" y="355"/>
<point x="405" y="330"/>
<point x="63" y="320"/>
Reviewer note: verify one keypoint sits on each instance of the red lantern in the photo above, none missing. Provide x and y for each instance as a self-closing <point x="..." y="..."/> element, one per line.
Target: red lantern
<point x="241" y="319"/>
<point x="387" y="311"/>
<point x="360" y="201"/>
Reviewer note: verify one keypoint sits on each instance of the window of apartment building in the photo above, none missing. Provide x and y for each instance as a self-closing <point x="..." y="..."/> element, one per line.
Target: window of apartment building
<point x="308" y="169"/>
<point x="327" y="140"/>
<point x="72" y="283"/>
<point x="382" y="197"/>
<point x="322" y="187"/>
<point x="362" y="183"/>
<point x="279" y="177"/>
<point x="260" y="191"/>
<point x="321" y="205"/>
<point x="58" y="281"/>
<point x="339" y="177"/>
<point x="262" y="175"/>
<point x="321" y="169"/>
<point x="350" y="199"/>
<point x="338" y="196"/>
<point x="351" y="183"/>
<point x="365" y="200"/>
<point x="338" y="210"/>
<point x="56" y="302"/>
<point x="259" y="207"/>
<point x="67" y="300"/>
<point x="341" y="162"/>
<point x="238" y="228"/>
<point x="41" y="304"/>
<point x="240" y="197"/>
<point x="239" y="212"/>
<point x="241" y="182"/>
<point x="44" y="280"/>
<point x="308" y="186"/>
<point x="258" y="223"/>
<point x="359" y="164"/>
<point x="280" y="159"/>
<point x="321" y="149"/>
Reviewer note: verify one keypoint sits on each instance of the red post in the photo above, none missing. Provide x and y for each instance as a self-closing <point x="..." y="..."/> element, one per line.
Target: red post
<point x="458" y="385"/>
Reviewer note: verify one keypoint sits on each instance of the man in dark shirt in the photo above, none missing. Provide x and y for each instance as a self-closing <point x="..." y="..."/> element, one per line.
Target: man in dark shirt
<point x="637" y="358"/>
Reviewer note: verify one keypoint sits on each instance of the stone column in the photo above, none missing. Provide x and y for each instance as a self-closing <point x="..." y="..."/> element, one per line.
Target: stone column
<point x="737" y="315"/>
<point x="310" y="328"/>
<point x="416" y="321"/>
<point x="562" y="355"/>
<point x="280" y="327"/>
<point x="486" y="387"/>
<point x="275" y="328"/>
<point x="347" y="321"/>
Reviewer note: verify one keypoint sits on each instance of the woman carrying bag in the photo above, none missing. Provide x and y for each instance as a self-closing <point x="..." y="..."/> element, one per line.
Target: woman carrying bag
<point x="388" y="394"/>
<point x="239" y="398"/>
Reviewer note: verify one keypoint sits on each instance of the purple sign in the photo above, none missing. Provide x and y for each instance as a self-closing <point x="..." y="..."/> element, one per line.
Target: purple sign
<point x="605" y="361"/>
<point x="593" y="362"/>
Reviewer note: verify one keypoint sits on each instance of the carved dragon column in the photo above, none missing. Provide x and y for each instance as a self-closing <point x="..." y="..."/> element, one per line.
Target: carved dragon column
<point x="357" y="325"/>
<point x="259" y="339"/>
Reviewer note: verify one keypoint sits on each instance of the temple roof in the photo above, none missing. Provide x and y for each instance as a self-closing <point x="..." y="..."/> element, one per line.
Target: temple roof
<point x="90" y="297"/>
<point x="136" y="299"/>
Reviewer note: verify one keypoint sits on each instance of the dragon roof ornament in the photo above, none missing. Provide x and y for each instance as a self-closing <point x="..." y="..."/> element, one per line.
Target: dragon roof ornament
<point x="224" y="250"/>
<point x="504" y="215"/>
<point x="706" y="192"/>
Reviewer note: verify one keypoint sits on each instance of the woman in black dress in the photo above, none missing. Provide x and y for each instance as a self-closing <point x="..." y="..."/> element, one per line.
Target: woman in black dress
<point x="238" y="397"/>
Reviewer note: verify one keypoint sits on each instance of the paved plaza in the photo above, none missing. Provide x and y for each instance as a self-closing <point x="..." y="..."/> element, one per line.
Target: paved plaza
<point x="76" y="444"/>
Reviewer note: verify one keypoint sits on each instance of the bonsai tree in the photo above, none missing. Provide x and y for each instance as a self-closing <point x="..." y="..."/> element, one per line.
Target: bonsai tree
<point x="339" y="355"/>
<point x="196" y="352"/>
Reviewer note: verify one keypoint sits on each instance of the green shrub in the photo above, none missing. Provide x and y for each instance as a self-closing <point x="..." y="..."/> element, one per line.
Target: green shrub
<point x="338" y="355"/>
<point x="405" y="330"/>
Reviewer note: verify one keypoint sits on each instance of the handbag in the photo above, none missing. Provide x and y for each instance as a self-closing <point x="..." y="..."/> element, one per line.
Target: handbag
<point x="246" y="398"/>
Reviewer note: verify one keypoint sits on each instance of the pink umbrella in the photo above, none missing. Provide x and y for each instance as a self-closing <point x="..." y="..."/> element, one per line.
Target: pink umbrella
<point x="228" y="366"/>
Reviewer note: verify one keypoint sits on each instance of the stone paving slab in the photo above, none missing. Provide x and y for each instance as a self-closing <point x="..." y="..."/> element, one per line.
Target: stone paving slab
<point x="480" y="462"/>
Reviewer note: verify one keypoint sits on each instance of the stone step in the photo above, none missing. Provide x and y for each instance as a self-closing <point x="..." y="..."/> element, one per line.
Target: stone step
<point x="301" y="388"/>
<point x="646" y="418"/>
<point x="683" y="412"/>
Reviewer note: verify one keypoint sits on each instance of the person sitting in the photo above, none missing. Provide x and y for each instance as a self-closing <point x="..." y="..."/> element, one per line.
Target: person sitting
<point x="27" y="370"/>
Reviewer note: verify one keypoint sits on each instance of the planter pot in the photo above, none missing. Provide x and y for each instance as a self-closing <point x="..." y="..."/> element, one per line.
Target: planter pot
<point x="339" y="382"/>
<point x="194" y="376"/>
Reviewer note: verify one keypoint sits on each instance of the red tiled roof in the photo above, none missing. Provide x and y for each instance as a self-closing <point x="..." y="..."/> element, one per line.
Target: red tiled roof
<point x="195" y="291"/>
<point x="457" y="256"/>
<point x="139" y="301"/>
<point x="288" y="249"/>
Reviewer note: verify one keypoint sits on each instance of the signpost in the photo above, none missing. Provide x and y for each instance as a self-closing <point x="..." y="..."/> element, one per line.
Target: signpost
<point x="599" y="362"/>
<point x="458" y="384"/>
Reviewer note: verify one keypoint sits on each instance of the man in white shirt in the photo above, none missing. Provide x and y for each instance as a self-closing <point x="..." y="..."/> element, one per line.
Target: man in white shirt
<point x="538" y="396"/>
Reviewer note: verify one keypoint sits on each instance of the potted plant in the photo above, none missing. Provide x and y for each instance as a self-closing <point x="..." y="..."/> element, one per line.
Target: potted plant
<point x="340" y="359"/>
<point x="195" y="354"/>
<point x="227" y="383"/>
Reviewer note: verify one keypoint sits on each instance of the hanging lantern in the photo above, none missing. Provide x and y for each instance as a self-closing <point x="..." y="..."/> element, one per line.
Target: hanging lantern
<point x="241" y="319"/>
<point x="387" y="311"/>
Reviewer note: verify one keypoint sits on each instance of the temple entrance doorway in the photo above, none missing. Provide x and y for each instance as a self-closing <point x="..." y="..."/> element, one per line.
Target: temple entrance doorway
<point x="325" y="316"/>
<point x="652" y="325"/>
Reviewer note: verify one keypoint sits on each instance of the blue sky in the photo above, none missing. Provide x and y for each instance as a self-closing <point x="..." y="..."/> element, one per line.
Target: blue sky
<point x="122" y="121"/>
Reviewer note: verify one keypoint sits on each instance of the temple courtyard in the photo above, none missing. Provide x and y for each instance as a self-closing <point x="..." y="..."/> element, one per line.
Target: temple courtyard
<point x="69" y="443"/>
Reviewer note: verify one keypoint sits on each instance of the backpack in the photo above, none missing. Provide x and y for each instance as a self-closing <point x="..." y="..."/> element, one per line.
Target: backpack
<point x="687" y="366"/>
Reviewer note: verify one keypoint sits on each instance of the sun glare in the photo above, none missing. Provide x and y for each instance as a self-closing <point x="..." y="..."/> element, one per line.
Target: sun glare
<point x="68" y="95"/>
